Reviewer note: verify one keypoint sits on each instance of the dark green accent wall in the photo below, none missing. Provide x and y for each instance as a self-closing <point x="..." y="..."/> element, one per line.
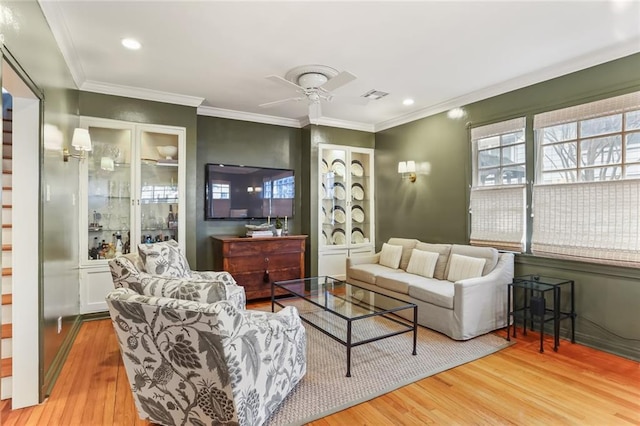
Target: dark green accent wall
<point x="225" y="141"/>
<point x="150" y="112"/>
<point x="435" y="207"/>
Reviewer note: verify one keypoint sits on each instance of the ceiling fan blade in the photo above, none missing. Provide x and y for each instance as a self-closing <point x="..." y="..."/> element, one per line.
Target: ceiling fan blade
<point x="284" y="82"/>
<point x="353" y="100"/>
<point x="338" y="81"/>
<point x="315" y="111"/>
<point x="281" y="101"/>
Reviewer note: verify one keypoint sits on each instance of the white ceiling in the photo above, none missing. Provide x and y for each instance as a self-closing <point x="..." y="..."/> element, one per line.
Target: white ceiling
<point x="443" y="54"/>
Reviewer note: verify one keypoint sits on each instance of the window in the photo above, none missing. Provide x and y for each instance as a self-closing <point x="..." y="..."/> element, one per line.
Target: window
<point x="498" y="198"/>
<point x="587" y="193"/>
<point x="220" y="190"/>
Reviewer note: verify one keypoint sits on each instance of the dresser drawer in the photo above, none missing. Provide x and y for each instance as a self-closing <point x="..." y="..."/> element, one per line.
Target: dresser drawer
<point x="256" y="288"/>
<point x="259" y="247"/>
<point x="260" y="262"/>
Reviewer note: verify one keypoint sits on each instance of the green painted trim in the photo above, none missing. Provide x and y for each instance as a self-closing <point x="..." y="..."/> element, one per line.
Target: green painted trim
<point x="58" y="362"/>
<point x="573" y="265"/>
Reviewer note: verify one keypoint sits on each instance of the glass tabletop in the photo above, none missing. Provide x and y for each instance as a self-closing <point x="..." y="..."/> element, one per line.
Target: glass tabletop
<point x="541" y="279"/>
<point x="341" y="297"/>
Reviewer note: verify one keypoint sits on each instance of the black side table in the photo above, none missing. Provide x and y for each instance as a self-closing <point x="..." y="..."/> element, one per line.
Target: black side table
<point x="534" y="309"/>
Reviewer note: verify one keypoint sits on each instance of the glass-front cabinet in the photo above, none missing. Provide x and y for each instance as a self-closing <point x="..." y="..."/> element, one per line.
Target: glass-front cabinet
<point x="346" y="207"/>
<point x="132" y="189"/>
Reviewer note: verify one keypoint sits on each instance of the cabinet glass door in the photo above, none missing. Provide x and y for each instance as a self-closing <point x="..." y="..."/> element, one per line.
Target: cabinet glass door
<point x="360" y="197"/>
<point x="334" y="187"/>
<point x="108" y="192"/>
<point x="158" y="188"/>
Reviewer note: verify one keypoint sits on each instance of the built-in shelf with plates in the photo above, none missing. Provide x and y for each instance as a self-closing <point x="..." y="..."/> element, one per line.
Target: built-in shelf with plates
<point x="346" y="209"/>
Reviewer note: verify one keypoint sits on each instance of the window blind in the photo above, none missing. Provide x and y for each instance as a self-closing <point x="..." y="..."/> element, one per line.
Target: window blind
<point x="498" y="217"/>
<point x="596" y="222"/>
<point x="613" y="105"/>
<point x="500" y="128"/>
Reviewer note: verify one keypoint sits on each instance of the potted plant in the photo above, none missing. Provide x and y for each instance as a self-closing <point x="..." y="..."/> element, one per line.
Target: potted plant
<point x="278" y="227"/>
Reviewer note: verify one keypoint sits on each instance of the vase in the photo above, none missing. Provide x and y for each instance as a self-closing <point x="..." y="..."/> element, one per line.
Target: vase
<point x="278" y="232"/>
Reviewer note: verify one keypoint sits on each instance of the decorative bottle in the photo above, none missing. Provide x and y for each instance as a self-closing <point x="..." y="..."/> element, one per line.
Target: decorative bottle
<point x="171" y="220"/>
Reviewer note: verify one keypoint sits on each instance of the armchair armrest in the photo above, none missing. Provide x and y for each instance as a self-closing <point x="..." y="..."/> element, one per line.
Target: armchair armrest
<point x="203" y="291"/>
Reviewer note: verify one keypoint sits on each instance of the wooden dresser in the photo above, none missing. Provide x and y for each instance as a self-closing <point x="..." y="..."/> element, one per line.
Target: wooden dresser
<point x="256" y="262"/>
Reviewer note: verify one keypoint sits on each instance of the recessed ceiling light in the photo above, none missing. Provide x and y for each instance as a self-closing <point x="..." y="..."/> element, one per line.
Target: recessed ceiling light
<point x="407" y="102"/>
<point x="131" y="43"/>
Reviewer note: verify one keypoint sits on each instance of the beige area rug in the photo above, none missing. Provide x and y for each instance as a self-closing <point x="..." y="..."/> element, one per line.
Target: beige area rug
<point x="376" y="368"/>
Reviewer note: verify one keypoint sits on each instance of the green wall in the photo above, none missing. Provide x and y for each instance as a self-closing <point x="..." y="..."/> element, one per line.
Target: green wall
<point x="225" y="141"/>
<point x="149" y="112"/>
<point x="435" y="207"/>
<point x="29" y="40"/>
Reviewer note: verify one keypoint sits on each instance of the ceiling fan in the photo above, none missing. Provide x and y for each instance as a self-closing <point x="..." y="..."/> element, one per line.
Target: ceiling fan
<point x="315" y="84"/>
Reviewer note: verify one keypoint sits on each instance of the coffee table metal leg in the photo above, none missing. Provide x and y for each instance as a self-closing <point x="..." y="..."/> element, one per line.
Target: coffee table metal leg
<point x="273" y="298"/>
<point x="348" y="348"/>
<point x="415" y="329"/>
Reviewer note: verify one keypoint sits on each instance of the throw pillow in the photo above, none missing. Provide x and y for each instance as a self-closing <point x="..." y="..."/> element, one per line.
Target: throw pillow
<point x="164" y="259"/>
<point x="390" y="255"/>
<point x="422" y="263"/>
<point x="463" y="267"/>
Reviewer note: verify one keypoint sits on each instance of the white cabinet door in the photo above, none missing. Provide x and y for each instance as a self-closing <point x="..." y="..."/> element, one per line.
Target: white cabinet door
<point x="95" y="284"/>
<point x="333" y="263"/>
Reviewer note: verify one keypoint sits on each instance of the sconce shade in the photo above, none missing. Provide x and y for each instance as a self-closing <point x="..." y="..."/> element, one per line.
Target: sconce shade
<point x="81" y="140"/>
<point x="250" y="189"/>
<point x="408" y="170"/>
<point x="411" y="167"/>
<point x="402" y="167"/>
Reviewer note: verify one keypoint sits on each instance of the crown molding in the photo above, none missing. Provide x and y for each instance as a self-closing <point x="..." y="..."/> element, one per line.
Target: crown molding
<point x="140" y="93"/>
<point x="576" y="64"/>
<point x="248" y="116"/>
<point x="334" y="122"/>
<point x="55" y="18"/>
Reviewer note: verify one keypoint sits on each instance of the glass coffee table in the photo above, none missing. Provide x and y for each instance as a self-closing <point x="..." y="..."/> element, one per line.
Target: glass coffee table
<point x="351" y="315"/>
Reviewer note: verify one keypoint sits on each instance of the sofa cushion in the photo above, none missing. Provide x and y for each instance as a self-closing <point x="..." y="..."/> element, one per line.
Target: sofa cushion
<point x="398" y="281"/>
<point x="422" y="263"/>
<point x="164" y="259"/>
<point x="463" y="267"/>
<point x="390" y="255"/>
<point x="443" y="251"/>
<point x="368" y="272"/>
<point x="430" y="290"/>
<point x="488" y="253"/>
<point x="407" y="245"/>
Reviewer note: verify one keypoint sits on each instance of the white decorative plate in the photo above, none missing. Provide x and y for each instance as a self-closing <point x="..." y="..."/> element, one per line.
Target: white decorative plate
<point x="339" y="215"/>
<point x="324" y="191"/>
<point x="357" y="214"/>
<point x="357" y="169"/>
<point x="338" y="167"/>
<point x="357" y="191"/>
<point x="324" y="167"/>
<point x="357" y="237"/>
<point x="325" y="240"/>
<point x="324" y="215"/>
<point x="338" y="191"/>
<point x="339" y="237"/>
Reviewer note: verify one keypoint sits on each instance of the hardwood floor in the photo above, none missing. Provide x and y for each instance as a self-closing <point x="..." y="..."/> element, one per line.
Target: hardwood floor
<point x="518" y="385"/>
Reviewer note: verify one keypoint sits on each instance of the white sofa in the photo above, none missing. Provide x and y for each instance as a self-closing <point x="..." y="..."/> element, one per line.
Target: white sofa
<point x="462" y="309"/>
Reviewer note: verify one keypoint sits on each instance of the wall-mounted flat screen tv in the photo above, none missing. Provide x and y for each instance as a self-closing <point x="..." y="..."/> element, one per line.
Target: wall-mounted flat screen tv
<point x="244" y="192"/>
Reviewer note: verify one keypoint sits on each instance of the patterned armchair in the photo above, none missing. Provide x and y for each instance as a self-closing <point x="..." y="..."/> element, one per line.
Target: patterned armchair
<point x="198" y="363"/>
<point x="161" y="270"/>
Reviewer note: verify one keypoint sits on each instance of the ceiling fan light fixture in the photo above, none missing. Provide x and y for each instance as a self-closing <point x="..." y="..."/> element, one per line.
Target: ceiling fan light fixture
<point x="312" y="80"/>
<point x="374" y="95"/>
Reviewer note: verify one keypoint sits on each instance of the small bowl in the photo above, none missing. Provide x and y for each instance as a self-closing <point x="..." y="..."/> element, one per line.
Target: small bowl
<point x="168" y="151"/>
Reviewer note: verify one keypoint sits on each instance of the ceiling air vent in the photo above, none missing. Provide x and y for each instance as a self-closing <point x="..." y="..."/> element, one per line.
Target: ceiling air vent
<point x="374" y="95"/>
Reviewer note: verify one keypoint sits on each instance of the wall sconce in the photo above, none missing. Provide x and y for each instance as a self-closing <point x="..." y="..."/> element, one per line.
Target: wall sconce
<point x="407" y="170"/>
<point x="81" y="141"/>
<point x="254" y="189"/>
